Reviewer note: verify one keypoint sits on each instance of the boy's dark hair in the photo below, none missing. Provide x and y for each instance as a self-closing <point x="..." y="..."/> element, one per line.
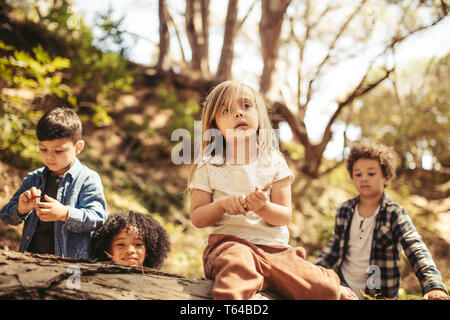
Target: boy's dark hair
<point x="58" y="123"/>
<point x="156" y="240"/>
<point x="384" y="155"/>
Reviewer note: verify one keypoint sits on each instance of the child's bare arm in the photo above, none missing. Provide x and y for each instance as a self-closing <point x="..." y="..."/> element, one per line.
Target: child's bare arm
<point x="278" y="210"/>
<point x="204" y="212"/>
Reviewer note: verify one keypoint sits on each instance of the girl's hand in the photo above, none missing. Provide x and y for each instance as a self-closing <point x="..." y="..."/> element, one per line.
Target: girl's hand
<point x="235" y="204"/>
<point x="28" y="200"/>
<point x="256" y="200"/>
<point x="52" y="210"/>
<point x="347" y="294"/>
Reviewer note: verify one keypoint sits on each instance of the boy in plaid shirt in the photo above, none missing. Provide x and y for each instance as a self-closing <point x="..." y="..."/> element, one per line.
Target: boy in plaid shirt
<point x="369" y="230"/>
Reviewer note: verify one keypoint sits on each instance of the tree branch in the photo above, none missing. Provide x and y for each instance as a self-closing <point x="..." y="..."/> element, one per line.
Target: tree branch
<point x="359" y="91"/>
<point x="444" y="7"/>
<point x="297" y="125"/>
<point x="246" y="16"/>
<point x="330" y="48"/>
<point x="172" y="21"/>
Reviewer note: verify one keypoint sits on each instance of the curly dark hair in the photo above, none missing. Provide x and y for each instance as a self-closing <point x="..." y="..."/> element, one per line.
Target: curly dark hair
<point x="384" y="155"/>
<point x="155" y="237"/>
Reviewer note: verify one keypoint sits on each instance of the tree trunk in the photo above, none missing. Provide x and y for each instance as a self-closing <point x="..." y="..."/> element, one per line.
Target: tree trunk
<point x="33" y="276"/>
<point x="164" y="37"/>
<point x="270" y="31"/>
<point x="226" y="57"/>
<point x="204" y="11"/>
<point x="197" y="29"/>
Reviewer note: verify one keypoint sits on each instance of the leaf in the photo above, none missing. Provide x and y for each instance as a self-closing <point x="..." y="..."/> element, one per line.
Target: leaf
<point x="21" y="59"/>
<point x="55" y="81"/>
<point x="41" y="55"/>
<point x="24" y="82"/>
<point x="5" y="73"/>
<point x="5" y="47"/>
<point x="72" y="100"/>
<point x="60" y="63"/>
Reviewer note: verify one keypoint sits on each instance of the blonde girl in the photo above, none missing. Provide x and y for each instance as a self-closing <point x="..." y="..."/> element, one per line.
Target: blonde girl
<point x="241" y="187"/>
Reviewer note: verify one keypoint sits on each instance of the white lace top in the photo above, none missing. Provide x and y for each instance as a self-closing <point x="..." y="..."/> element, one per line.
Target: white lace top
<point x="226" y="179"/>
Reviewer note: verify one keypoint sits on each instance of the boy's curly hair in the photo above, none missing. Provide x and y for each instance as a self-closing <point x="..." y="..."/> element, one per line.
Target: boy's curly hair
<point x="384" y="155"/>
<point x="156" y="239"/>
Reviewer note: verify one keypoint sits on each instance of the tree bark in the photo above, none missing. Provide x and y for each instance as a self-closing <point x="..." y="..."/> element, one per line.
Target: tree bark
<point x="270" y="31"/>
<point x="226" y="57"/>
<point x="164" y="36"/>
<point x="197" y="29"/>
<point x="33" y="276"/>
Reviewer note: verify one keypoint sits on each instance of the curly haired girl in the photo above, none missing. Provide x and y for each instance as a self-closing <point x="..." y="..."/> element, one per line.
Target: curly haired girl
<point x="131" y="238"/>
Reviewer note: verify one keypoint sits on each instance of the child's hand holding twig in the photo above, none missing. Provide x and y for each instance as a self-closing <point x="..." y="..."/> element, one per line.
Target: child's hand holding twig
<point x="256" y="200"/>
<point x="52" y="210"/>
<point x="28" y="200"/>
<point x="347" y="294"/>
<point x="234" y="204"/>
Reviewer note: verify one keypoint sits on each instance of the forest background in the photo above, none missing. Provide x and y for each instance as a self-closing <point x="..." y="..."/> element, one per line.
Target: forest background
<point x="331" y="73"/>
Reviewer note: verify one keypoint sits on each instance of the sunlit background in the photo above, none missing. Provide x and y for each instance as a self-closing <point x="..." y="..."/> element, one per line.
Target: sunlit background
<point x="140" y="19"/>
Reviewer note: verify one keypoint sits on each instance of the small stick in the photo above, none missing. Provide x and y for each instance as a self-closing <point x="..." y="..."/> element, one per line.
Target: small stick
<point x="267" y="186"/>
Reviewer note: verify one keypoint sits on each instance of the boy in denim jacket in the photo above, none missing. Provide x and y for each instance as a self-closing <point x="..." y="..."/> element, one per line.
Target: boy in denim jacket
<point x="62" y="203"/>
<point x="371" y="228"/>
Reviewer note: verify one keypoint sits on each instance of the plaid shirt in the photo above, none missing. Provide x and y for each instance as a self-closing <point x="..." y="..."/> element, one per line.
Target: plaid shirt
<point x="393" y="227"/>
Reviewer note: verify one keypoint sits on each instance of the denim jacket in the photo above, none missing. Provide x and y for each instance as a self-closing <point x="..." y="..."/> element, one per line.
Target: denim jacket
<point x="81" y="190"/>
<point x="393" y="229"/>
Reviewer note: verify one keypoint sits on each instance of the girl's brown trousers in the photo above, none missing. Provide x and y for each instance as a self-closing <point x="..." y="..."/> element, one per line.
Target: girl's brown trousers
<point x="241" y="269"/>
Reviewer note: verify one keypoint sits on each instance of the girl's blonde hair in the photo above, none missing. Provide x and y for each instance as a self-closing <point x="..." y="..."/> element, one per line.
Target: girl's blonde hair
<point x="227" y="93"/>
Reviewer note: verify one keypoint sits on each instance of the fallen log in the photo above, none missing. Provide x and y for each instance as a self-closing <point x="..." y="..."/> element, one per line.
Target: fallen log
<point x="34" y="276"/>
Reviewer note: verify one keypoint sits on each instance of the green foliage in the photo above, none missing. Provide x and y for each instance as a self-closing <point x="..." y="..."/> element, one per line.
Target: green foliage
<point x="18" y="143"/>
<point x="295" y="150"/>
<point x="20" y="69"/>
<point x="100" y="74"/>
<point x="81" y="73"/>
<point x="402" y="185"/>
<point x="113" y="36"/>
<point x="188" y="243"/>
<point x="410" y="116"/>
<point x="404" y="295"/>
<point x="367" y="296"/>
<point x="183" y="111"/>
<point x="60" y="12"/>
<point x="96" y="76"/>
<point x="27" y="75"/>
